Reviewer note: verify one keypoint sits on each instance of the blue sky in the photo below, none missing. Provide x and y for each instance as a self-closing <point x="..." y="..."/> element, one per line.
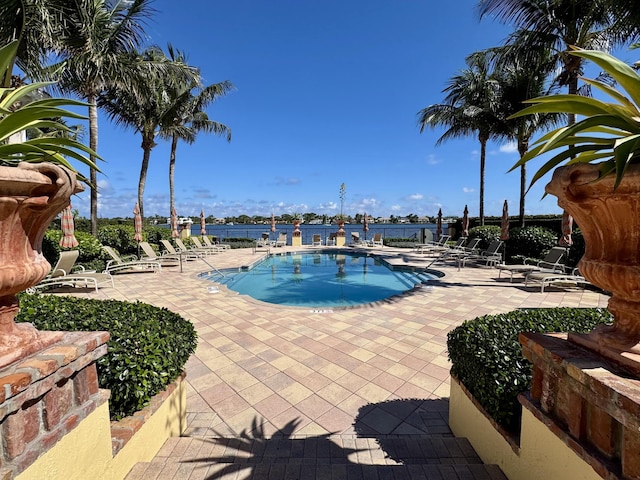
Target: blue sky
<point x="326" y="92"/>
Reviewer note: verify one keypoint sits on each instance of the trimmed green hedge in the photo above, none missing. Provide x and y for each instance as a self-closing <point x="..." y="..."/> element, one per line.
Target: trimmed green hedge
<point x="487" y="357"/>
<point x="486" y="234"/>
<point x="530" y="242"/>
<point x="148" y="348"/>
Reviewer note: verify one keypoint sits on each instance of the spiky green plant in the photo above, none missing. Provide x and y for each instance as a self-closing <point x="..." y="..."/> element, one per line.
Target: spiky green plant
<point x="608" y="132"/>
<point x="18" y="113"/>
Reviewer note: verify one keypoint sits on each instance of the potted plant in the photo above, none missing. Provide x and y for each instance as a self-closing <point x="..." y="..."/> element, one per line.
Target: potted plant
<point x="36" y="181"/>
<point x="600" y="187"/>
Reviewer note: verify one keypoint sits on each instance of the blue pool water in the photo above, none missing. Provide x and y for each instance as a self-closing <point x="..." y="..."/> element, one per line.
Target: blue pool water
<point x="320" y="279"/>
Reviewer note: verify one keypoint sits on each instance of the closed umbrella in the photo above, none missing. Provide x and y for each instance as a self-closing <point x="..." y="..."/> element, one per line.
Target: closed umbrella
<point x="439" y="224"/>
<point x="203" y="224"/>
<point x="174" y="223"/>
<point x="68" y="239"/>
<point x="365" y="225"/>
<point x="465" y="222"/>
<point x="273" y="223"/>
<point x="137" y="224"/>
<point x="504" y="226"/>
<point x="567" y="227"/>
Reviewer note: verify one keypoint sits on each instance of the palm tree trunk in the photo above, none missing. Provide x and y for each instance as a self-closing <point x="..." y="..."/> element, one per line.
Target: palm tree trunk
<point x="172" y="168"/>
<point x="483" y="152"/>
<point x="93" y="175"/>
<point x="146" y="148"/>
<point x="523" y="147"/>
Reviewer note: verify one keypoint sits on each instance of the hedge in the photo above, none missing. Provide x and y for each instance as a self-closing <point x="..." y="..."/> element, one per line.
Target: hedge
<point x="487" y="357"/>
<point x="148" y="348"/>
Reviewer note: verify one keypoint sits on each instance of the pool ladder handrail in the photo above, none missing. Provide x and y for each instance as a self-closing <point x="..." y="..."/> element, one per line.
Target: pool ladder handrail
<point x="212" y="267"/>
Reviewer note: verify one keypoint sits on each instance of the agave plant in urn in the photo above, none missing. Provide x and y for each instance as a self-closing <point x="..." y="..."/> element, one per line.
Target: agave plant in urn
<point x="599" y="185"/>
<point x="36" y="183"/>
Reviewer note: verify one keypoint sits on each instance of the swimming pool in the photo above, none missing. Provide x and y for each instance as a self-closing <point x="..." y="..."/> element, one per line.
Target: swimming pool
<point x="317" y="279"/>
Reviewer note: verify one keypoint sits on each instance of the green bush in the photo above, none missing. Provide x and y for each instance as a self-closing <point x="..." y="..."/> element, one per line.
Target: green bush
<point x="530" y="242"/>
<point x="486" y="234"/>
<point x="90" y="256"/>
<point x="153" y="234"/>
<point x="487" y="358"/>
<point x="119" y="237"/>
<point x="148" y="348"/>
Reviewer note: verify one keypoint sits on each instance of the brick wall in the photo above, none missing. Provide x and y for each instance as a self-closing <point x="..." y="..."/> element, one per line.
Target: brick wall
<point x="46" y="395"/>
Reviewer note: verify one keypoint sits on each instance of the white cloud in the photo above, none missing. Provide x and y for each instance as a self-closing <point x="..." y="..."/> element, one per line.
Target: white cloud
<point x="396" y="208"/>
<point x="432" y="160"/>
<point x="468" y="190"/>
<point x="511" y="147"/>
<point x="416" y="196"/>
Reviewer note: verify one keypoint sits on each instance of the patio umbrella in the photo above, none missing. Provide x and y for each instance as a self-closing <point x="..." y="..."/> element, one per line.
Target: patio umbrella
<point x="137" y="224"/>
<point x="273" y="223"/>
<point x="504" y="226"/>
<point x="567" y="227"/>
<point x="439" y="224"/>
<point x="174" y="223"/>
<point x="68" y="239"/>
<point x="203" y="224"/>
<point x="365" y="225"/>
<point x="465" y="222"/>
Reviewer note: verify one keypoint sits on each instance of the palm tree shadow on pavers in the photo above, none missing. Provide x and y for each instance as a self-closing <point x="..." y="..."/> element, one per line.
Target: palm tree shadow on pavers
<point x="414" y="431"/>
<point x="276" y="456"/>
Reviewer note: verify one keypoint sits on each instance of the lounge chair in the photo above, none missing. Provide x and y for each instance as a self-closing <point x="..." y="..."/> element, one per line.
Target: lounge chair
<point x="355" y="240"/>
<point x="67" y="273"/>
<point x="431" y="246"/>
<point x="208" y="243"/>
<point x="200" y="246"/>
<point x="489" y="257"/>
<point x="128" y="264"/>
<point x="459" y="250"/>
<point x="186" y="255"/>
<point x="552" y="262"/>
<point x="183" y="248"/>
<point x="316" y="240"/>
<point x="166" y="260"/>
<point x="281" y="241"/>
<point x="264" y="241"/>
<point x="555" y="278"/>
<point x="376" y="241"/>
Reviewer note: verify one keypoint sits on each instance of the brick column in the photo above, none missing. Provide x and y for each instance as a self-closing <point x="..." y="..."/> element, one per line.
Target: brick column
<point x="46" y="395"/>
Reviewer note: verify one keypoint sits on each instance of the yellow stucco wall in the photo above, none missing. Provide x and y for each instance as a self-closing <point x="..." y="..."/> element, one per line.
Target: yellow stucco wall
<point x="296" y="241"/>
<point x="341" y="241"/>
<point x="85" y="452"/>
<point x="542" y="454"/>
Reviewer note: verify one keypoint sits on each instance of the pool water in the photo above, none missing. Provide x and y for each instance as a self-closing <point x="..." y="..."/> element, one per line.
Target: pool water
<point x="320" y="279"/>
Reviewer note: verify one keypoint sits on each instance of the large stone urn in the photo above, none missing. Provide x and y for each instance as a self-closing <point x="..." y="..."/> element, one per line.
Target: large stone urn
<point x="610" y="223"/>
<point x="31" y="195"/>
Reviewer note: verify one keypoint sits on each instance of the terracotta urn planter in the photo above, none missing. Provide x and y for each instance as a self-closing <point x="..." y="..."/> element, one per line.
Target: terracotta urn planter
<point x="31" y="195"/>
<point x="341" y="232"/>
<point x="610" y="224"/>
<point x="296" y="228"/>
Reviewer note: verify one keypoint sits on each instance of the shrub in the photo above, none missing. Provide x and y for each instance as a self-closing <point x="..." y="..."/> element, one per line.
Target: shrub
<point x="487" y="358"/>
<point x="154" y="234"/>
<point x="148" y="348"/>
<point x="119" y="237"/>
<point x="530" y="242"/>
<point x="90" y="249"/>
<point x="487" y="234"/>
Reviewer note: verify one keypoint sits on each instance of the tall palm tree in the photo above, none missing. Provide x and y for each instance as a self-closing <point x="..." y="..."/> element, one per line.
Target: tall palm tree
<point x="188" y="118"/>
<point x="87" y="39"/>
<point x="471" y="106"/>
<point x="145" y="105"/>
<point x="555" y="25"/>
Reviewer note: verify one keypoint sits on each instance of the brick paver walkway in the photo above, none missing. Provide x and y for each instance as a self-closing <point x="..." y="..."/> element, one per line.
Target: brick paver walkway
<point x="280" y="383"/>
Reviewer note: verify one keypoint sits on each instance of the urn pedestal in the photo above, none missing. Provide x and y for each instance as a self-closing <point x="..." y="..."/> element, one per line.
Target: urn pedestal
<point x="31" y="195"/>
<point x="610" y="223"/>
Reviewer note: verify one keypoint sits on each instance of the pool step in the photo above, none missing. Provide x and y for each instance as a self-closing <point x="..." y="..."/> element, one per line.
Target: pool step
<point x="315" y="457"/>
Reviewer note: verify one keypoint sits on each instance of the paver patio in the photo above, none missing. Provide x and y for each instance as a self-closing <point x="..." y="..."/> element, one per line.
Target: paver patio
<point x="380" y="370"/>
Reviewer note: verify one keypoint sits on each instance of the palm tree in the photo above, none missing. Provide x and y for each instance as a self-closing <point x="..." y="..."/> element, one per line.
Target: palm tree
<point x="145" y="105"/>
<point x="88" y="39"/>
<point x="471" y="106"/>
<point x="188" y="117"/>
<point x="555" y="25"/>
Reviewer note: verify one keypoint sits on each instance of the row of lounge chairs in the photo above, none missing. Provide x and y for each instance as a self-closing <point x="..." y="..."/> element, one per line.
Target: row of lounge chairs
<point x="548" y="271"/>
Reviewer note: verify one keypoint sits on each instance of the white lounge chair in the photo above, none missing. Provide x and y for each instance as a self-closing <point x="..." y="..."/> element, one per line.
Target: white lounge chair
<point x="67" y="273"/>
<point x="186" y="255"/>
<point x="376" y="241"/>
<point x="489" y="257"/>
<point x="200" y="246"/>
<point x="316" y="240"/>
<point x="167" y="260"/>
<point x="183" y="248"/>
<point x="555" y="278"/>
<point x="208" y="243"/>
<point x="552" y="262"/>
<point x="281" y="241"/>
<point x="128" y="264"/>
